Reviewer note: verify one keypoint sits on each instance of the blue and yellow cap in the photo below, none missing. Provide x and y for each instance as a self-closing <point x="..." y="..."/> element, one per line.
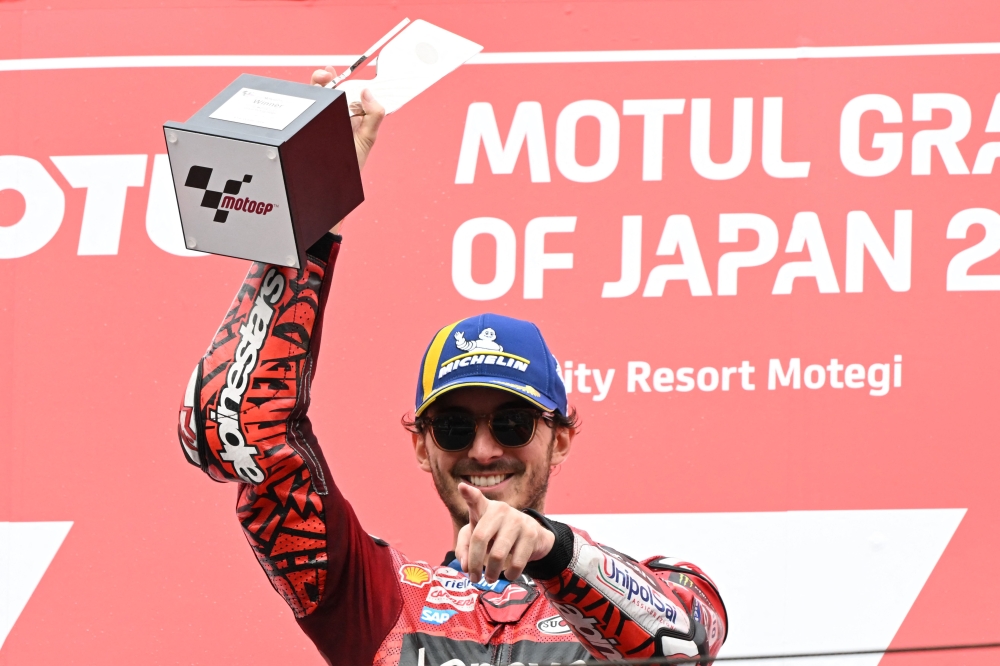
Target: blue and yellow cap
<point x="494" y="351"/>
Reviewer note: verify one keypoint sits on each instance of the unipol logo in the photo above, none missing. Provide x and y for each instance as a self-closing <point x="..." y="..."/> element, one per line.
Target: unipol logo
<point x="224" y="201"/>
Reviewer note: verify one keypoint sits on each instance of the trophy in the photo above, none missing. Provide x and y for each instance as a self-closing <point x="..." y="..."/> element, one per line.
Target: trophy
<point x="264" y="169"/>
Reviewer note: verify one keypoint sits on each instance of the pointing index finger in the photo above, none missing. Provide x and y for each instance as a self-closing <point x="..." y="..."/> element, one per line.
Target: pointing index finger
<point x="477" y="502"/>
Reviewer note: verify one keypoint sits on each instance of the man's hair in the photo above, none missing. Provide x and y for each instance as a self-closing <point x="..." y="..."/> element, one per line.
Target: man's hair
<point x="554" y="420"/>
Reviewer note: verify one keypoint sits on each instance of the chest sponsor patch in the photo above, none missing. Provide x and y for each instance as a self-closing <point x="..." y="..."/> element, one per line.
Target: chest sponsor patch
<point x="497" y="586"/>
<point x="415" y="575"/>
<point x="509" y="605"/>
<point x="553" y="626"/>
<point x="452" y="580"/>
<point x="511" y="595"/>
<point x="436" y="615"/>
<point x="440" y="596"/>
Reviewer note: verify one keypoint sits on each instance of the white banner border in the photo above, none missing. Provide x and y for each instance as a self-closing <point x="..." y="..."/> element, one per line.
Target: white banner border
<point x="515" y="58"/>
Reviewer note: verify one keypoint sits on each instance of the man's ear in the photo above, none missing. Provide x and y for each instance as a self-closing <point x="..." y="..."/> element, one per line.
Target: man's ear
<point x="562" y="445"/>
<point x="420" y="450"/>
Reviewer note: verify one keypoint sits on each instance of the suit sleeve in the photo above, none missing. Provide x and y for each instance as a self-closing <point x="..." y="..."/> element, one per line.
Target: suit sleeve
<point x="244" y="419"/>
<point x="620" y="608"/>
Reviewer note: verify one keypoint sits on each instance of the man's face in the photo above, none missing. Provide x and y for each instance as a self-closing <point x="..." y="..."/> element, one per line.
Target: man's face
<point x="518" y="476"/>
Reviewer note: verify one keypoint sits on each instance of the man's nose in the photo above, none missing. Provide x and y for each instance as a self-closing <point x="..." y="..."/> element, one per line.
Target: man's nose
<point x="484" y="447"/>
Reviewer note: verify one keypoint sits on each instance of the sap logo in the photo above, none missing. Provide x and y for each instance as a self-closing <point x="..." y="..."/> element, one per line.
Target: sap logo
<point x="435" y="615"/>
<point x="553" y="626"/>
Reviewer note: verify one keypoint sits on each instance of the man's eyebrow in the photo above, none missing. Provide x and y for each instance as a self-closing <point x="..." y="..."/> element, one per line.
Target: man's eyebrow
<point x="514" y="403"/>
<point x="510" y="404"/>
<point x="449" y="408"/>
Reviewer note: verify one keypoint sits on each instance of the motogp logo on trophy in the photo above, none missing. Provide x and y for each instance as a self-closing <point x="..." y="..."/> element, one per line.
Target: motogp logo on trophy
<point x="224" y="201"/>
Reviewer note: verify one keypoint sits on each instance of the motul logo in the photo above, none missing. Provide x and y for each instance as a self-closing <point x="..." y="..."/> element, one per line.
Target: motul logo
<point x="198" y="177"/>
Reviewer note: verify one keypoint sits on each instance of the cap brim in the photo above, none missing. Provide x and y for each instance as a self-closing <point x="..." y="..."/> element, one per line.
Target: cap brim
<point x="528" y="393"/>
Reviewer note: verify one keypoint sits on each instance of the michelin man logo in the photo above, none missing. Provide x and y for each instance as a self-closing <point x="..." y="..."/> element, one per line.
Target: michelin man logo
<point x="486" y="341"/>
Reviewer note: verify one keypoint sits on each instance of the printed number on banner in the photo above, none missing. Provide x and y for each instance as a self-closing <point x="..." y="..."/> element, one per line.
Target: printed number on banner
<point x="958" y="269"/>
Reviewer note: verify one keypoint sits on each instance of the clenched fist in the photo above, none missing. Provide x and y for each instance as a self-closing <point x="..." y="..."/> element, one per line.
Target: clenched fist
<point x="499" y="538"/>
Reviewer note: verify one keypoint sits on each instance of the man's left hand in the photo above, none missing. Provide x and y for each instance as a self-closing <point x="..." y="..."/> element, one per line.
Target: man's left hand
<point x="365" y="119"/>
<point x="499" y="538"/>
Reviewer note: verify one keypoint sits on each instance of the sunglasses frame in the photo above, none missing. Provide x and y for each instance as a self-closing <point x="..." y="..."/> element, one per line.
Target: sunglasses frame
<point x="427" y="423"/>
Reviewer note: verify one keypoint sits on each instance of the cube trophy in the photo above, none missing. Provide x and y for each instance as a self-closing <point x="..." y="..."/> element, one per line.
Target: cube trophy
<point x="267" y="167"/>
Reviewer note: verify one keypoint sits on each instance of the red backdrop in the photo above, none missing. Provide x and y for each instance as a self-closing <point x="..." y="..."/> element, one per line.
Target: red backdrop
<point x="96" y="350"/>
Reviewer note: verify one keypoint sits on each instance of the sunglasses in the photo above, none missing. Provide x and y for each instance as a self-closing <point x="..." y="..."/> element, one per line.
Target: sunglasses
<point x="511" y="428"/>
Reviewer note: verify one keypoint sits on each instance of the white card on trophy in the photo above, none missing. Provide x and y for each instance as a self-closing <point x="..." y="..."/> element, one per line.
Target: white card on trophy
<point x="417" y="58"/>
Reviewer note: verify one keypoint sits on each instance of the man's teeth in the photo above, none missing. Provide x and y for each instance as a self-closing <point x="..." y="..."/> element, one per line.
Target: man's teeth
<point x="486" y="481"/>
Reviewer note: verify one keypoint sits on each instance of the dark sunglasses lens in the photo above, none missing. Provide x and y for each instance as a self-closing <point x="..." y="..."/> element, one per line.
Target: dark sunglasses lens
<point x="454" y="432"/>
<point x="513" y="427"/>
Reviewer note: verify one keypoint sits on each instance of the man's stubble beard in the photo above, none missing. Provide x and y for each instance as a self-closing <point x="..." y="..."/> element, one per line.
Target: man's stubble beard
<point x="536" y="484"/>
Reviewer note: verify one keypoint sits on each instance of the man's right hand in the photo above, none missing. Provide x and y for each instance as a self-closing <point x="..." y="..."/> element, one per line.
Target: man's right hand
<point x="498" y="538"/>
<point x="365" y="123"/>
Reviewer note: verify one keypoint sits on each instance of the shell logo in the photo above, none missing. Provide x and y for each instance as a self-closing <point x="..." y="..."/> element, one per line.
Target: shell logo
<point x="414" y="574"/>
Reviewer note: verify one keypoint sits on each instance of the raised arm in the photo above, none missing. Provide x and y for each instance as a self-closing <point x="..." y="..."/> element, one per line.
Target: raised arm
<point x="244" y="419"/>
<point x="244" y="411"/>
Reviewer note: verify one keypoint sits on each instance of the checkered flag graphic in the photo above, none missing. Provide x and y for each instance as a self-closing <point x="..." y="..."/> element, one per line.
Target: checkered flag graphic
<point x="198" y="177"/>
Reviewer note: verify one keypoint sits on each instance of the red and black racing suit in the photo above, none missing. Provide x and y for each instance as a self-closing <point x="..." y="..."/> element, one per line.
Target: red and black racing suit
<point x="361" y="601"/>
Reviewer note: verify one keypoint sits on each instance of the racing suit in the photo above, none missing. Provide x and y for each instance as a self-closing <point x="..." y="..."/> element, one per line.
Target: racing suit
<point x="243" y="419"/>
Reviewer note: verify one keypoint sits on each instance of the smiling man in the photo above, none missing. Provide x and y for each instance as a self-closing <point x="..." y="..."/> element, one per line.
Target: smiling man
<point x="491" y="421"/>
<point x="519" y="398"/>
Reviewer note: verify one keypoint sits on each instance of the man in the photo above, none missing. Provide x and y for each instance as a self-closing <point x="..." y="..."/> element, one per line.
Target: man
<point x="491" y="420"/>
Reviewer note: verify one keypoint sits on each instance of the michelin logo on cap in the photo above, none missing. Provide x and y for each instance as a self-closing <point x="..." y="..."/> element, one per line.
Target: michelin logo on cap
<point x="485" y="341"/>
<point x="491" y="350"/>
<point x="486" y="350"/>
